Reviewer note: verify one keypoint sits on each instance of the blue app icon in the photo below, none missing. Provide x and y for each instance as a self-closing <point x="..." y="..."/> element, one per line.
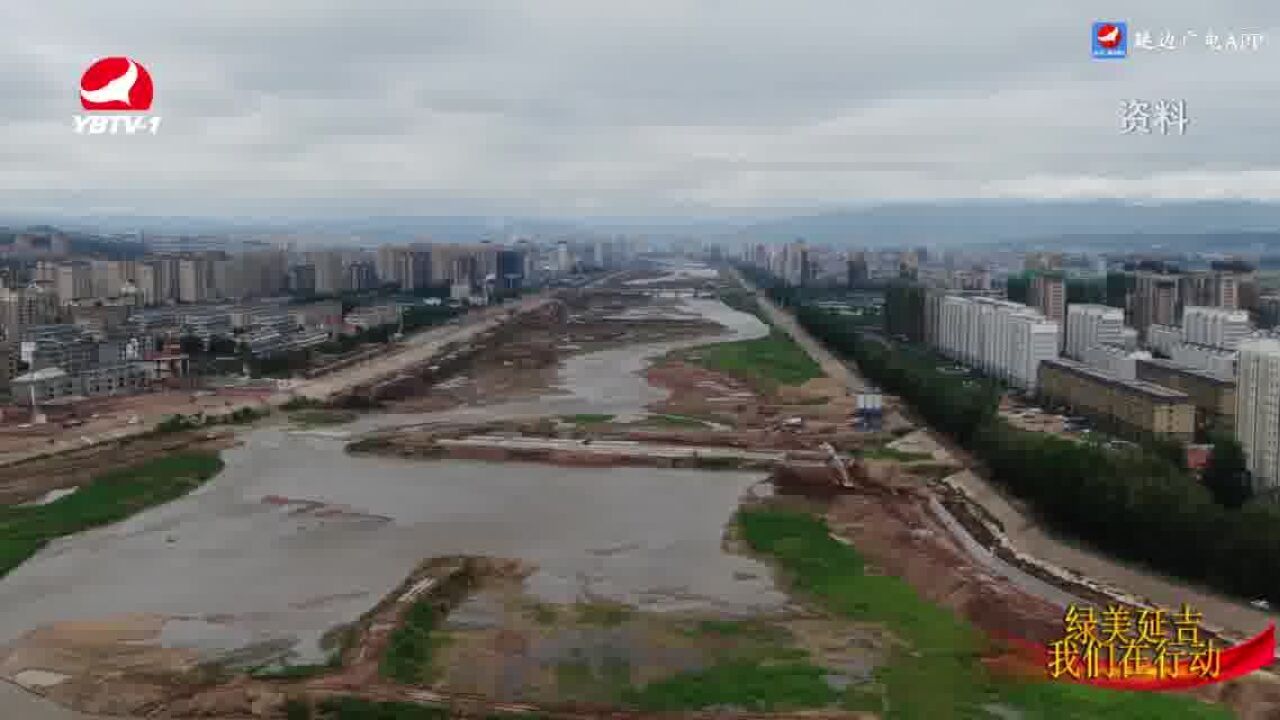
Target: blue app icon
<point x="1110" y="40"/>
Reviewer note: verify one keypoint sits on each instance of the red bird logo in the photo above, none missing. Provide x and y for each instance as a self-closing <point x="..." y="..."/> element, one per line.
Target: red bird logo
<point x="1109" y="36"/>
<point x="116" y="83"/>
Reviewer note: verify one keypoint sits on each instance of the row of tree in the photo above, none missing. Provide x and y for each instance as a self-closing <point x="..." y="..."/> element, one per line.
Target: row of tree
<point x="1134" y="503"/>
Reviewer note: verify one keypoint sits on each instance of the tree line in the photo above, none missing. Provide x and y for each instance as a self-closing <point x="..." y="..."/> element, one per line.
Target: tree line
<point x="1132" y="503"/>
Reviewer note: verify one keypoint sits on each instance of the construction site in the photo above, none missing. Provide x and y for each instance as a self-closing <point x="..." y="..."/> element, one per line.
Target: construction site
<point x="558" y="509"/>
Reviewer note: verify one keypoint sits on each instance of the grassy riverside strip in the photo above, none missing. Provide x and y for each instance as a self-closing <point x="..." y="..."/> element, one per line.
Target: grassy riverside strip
<point x="108" y="498"/>
<point x="772" y="360"/>
<point x="413" y="645"/>
<point x="940" y="674"/>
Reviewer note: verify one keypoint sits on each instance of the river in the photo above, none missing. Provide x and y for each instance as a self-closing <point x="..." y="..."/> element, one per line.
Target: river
<point x="295" y="536"/>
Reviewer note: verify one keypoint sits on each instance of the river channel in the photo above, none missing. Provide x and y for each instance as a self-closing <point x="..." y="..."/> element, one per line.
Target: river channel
<point x="295" y="536"/>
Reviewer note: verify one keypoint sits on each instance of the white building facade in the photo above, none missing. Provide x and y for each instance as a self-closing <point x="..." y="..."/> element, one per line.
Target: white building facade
<point x="1089" y="325"/>
<point x="1206" y="357"/>
<point x="1258" y="410"/>
<point x="1115" y="360"/>
<point x="1214" y="326"/>
<point x="1003" y="339"/>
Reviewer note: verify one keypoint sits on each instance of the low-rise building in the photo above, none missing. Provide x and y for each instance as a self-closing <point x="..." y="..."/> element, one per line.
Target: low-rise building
<point x="1213" y="394"/>
<point x="117" y="379"/>
<point x="1115" y="360"/>
<point x="326" y="314"/>
<point x="1128" y="406"/>
<point x="42" y="385"/>
<point x="304" y="339"/>
<point x="1205" y="357"/>
<point x="1163" y="338"/>
<point x="207" y="323"/>
<point x="52" y="383"/>
<point x="371" y="316"/>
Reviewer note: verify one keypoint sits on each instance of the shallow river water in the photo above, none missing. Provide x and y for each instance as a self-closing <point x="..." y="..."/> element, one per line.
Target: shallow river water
<point x="295" y="536"/>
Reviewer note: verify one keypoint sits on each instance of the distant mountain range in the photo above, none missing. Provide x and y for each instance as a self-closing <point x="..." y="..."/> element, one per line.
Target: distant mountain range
<point x="1215" y="226"/>
<point x="1052" y="224"/>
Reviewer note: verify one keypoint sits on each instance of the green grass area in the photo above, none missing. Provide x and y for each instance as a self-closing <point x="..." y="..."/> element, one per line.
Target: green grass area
<point x="239" y="416"/>
<point x="300" y="402"/>
<point x="1062" y="701"/>
<point x="544" y="613"/>
<point x="413" y="646"/>
<point x="888" y="453"/>
<point x="586" y="418"/>
<point x="674" y="421"/>
<point x="738" y="630"/>
<point x="748" y="685"/>
<point x="109" y="497"/>
<point x="717" y="463"/>
<point x="742" y="300"/>
<point x="939" y="674"/>
<point x="605" y="614"/>
<point x="773" y="359"/>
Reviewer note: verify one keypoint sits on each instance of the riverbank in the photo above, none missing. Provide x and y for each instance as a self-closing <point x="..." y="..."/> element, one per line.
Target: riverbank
<point x="938" y="672"/>
<point x="108" y="498"/>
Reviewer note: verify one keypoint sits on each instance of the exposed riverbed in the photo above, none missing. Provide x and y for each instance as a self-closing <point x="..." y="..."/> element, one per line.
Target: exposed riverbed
<point x="295" y="536"/>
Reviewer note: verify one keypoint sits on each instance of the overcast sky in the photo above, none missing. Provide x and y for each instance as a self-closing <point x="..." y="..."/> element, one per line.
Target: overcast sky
<point x="598" y="107"/>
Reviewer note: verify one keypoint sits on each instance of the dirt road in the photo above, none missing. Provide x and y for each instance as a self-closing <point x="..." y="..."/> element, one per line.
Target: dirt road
<point x="415" y="350"/>
<point x="1027" y="537"/>
<point x="18" y="703"/>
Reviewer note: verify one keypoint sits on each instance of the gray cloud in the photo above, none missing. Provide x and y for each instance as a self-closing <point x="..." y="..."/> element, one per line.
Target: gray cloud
<point x="563" y="107"/>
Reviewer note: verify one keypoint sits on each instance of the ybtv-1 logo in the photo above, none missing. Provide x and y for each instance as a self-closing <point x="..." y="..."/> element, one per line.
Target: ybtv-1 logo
<point x="121" y="89"/>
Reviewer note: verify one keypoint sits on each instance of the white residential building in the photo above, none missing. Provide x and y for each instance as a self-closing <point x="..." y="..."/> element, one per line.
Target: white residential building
<point x="1205" y="357"/>
<point x="1214" y="326"/>
<point x="1258" y="410"/>
<point x="1129" y="338"/>
<point x="1163" y="338"/>
<point x="1115" y="360"/>
<point x="1090" y="325"/>
<point x="1003" y="339"/>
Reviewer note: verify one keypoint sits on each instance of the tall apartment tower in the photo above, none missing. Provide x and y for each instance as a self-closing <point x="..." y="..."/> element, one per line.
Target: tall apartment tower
<point x="1258" y="409"/>
<point x="1215" y="326"/>
<point x="1049" y="296"/>
<point x="1091" y="325"/>
<point x="330" y="278"/>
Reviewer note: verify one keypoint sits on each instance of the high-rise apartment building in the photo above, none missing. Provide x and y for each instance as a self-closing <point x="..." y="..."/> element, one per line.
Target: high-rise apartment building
<point x="1049" y="296"/>
<point x="1215" y="326"/>
<point x="330" y="279"/>
<point x="1089" y="325"/>
<point x="795" y="263"/>
<point x="21" y="308"/>
<point x="406" y="267"/>
<point x="195" y="280"/>
<point x="1004" y="339"/>
<point x="258" y="273"/>
<point x="361" y="276"/>
<point x="1258" y="409"/>
<point x="74" y="281"/>
<point x="1154" y="301"/>
<point x="857" y="269"/>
